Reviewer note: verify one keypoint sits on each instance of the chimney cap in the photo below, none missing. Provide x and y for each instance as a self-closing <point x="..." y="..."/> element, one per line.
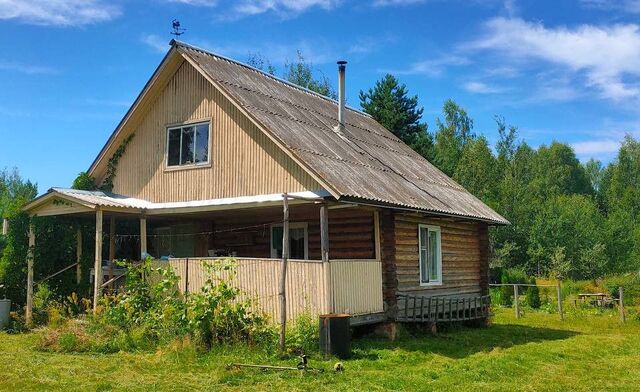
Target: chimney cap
<point x="341" y="62"/>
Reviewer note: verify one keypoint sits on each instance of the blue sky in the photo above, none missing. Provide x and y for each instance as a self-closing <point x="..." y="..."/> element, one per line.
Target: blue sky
<point x="559" y="70"/>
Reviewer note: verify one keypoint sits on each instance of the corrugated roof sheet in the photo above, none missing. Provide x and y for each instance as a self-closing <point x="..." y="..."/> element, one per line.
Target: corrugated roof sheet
<point x="366" y="162"/>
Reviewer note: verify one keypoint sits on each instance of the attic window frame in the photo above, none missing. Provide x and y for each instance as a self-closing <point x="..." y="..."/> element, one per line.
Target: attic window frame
<point x="194" y="124"/>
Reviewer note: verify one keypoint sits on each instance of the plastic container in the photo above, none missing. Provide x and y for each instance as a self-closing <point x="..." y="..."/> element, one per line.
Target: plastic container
<point x="335" y="335"/>
<point x="5" y="308"/>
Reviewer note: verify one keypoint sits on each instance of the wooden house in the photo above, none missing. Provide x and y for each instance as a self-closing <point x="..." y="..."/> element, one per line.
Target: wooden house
<point x="212" y="149"/>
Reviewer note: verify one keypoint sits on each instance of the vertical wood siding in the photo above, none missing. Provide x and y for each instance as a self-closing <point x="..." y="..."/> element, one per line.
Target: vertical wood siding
<point x="357" y="286"/>
<point x="243" y="160"/>
<point x="258" y="280"/>
<point x="463" y="256"/>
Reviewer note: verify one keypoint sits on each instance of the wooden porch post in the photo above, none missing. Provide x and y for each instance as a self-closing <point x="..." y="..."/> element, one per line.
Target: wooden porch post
<point x="112" y="247"/>
<point x="97" y="267"/>
<point x="143" y="238"/>
<point x="78" y="255"/>
<point x="376" y="234"/>
<point x="324" y="249"/>
<point x="5" y="226"/>
<point x="30" y="256"/>
<point x="283" y="273"/>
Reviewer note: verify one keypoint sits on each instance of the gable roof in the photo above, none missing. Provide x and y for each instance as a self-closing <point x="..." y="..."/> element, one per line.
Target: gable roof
<point x="365" y="162"/>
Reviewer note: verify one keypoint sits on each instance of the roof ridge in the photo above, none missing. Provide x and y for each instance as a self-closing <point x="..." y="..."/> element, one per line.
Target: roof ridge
<point x="175" y="42"/>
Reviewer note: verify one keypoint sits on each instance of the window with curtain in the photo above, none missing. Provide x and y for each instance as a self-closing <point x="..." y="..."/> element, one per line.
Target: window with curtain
<point x="188" y="145"/>
<point x="430" y="255"/>
<point x="298" y="242"/>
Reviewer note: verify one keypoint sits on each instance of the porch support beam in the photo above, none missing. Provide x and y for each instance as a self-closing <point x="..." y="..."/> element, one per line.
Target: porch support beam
<point x="97" y="266"/>
<point x="283" y="273"/>
<point x="324" y="250"/>
<point x="143" y="238"/>
<point x="78" y="255"/>
<point x="112" y="247"/>
<point x="376" y="234"/>
<point x="30" y="256"/>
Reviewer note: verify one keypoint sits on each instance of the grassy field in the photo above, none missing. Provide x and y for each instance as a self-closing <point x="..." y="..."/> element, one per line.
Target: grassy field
<point x="536" y="352"/>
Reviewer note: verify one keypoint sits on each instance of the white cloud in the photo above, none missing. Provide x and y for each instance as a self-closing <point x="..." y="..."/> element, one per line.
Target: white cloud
<point x="155" y="42"/>
<point x="387" y="3"/>
<point x="631" y="6"/>
<point x="596" y="147"/>
<point x="609" y="56"/>
<point x="202" y="3"/>
<point x="281" y="7"/>
<point x="432" y="68"/>
<point x="480" y="88"/>
<point x="58" y="12"/>
<point x="27" y="69"/>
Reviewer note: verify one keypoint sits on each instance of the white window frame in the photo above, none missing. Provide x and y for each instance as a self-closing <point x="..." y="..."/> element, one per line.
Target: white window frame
<point x="437" y="230"/>
<point x="292" y="225"/>
<point x="194" y="124"/>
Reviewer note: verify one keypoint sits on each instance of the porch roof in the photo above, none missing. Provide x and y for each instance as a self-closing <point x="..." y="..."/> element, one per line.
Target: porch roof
<point x="61" y="201"/>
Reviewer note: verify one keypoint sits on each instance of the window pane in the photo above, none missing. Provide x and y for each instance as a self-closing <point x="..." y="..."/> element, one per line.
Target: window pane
<point x="424" y="273"/>
<point x="433" y="255"/>
<point x="174" y="147"/>
<point x="187" y="146"/>
<point x="276" y="240"/>
<point x="296" y="243"/>
<point x="202" y="143"/>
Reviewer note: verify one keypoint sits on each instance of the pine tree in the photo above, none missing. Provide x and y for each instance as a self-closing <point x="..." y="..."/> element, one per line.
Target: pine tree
<point x="389" y="103"/>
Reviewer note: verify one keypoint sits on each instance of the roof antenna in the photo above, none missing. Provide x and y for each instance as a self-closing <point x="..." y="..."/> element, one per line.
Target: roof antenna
<point x="177" y="30"/>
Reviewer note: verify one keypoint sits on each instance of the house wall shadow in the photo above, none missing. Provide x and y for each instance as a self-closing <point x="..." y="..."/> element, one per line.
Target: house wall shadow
<point x="458" y="342"/>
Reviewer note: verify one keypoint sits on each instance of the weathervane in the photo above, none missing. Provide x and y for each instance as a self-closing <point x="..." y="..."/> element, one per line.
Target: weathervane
<point x="177" y="30"/>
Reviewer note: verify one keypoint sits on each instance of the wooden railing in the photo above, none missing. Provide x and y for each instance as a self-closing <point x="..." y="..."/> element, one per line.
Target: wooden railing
<point x="258" y="278"/>
<point x="357" y="286"/>
<point x="424" y="309"/>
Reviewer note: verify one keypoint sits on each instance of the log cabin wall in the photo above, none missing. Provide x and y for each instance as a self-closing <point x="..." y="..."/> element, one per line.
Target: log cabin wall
<point x="244" y="161"/>
<point x="351" y="231"/>
<point x="465" y="256"/>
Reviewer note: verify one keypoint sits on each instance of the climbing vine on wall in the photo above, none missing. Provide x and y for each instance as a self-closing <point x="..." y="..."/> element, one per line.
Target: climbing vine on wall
<point x="112" y="165"/>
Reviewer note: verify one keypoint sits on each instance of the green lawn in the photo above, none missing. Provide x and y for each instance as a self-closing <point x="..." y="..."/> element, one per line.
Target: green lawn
<point x="537" y="352"/>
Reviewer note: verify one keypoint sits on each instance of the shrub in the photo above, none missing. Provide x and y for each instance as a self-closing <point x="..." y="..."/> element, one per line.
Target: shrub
<point x="304" y="336"/>
<point x="533" y="295"/>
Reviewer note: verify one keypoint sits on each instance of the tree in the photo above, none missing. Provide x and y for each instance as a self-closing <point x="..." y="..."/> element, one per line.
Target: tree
<point x="84" y="182"/>
<point x="477" y="170"/>
<point x="14" y="193"/>
<point x="451" y="137"/>
<point x="256" y="60"/>
<point x="300" y="72"/>
<point x="389" y="103"/>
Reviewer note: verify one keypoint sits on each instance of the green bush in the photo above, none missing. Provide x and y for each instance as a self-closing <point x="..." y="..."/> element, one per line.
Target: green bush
<point x="151" y="311"/>
<point x="533" y="295"/>
<point x="304" y="336"/>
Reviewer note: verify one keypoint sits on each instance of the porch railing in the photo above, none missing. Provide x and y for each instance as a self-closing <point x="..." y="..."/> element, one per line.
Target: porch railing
<point x="424" y="309"/>
<point x="356" y="285"/>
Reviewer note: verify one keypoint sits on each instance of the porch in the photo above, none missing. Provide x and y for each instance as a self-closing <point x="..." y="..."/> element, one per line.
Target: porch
<point x="331" y="250"/>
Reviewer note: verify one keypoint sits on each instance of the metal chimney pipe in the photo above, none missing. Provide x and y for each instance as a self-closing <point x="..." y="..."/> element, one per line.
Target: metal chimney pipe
<point x="341" y="99"/>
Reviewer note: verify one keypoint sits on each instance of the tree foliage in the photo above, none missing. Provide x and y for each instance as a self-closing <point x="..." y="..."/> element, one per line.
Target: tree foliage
<point x="389" y="103"/>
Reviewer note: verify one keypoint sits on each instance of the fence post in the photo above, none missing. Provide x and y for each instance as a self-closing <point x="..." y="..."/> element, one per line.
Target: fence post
<point x="559" y="290"/>
<point x="186" y="277"/>
<point x="515" y="299"/>
<point x="621" y="305"/>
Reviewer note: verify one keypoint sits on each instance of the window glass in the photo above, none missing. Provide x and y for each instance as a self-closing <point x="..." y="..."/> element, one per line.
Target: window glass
<point x="297" y="241"/>
<point x="433" y="255"/>
<point x="174" y="147"/>
<point x="186" y="157"/>
<point x="430" y="254"/>
<point x="188" y="145"/>
<point x="202" y="143"/>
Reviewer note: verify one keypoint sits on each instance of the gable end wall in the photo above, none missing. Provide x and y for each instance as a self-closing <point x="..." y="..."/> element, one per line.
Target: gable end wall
<point x="244" y="161"/>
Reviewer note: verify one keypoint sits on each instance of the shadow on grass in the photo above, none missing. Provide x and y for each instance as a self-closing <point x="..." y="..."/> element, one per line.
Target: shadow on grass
<point x="458" y="342"/>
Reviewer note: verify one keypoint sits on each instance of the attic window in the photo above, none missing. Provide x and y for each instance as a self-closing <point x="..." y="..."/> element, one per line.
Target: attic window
<point x="188" y="145"/>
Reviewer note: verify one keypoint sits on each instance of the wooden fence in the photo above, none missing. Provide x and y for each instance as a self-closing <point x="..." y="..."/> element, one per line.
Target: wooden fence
<point x="423" y="309"/>
<point x="356" y="285"/>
